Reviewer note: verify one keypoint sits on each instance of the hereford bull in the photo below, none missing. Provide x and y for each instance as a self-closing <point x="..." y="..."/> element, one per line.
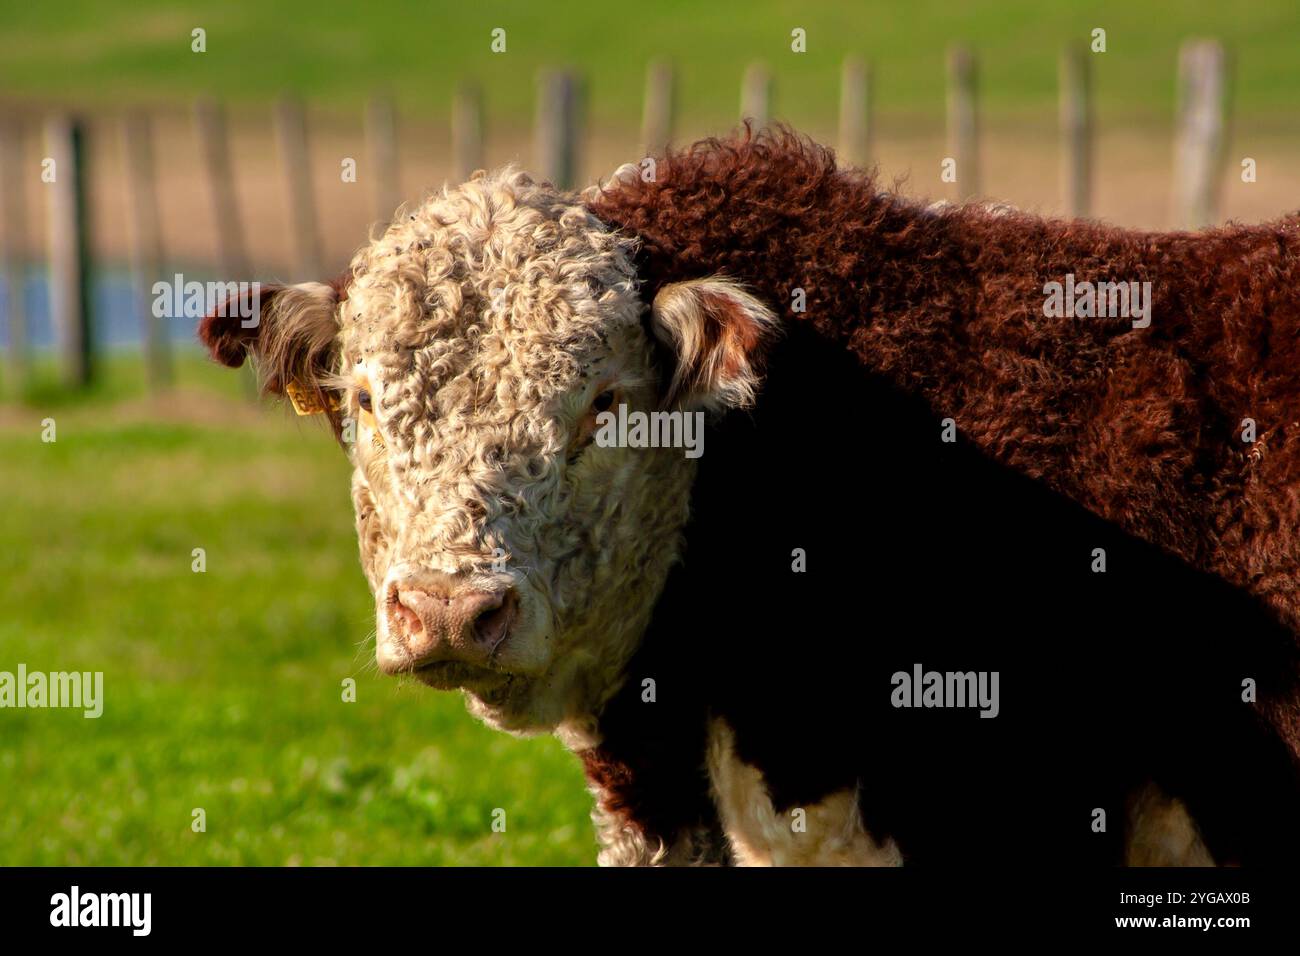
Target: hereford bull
<point x="950" y="574"/>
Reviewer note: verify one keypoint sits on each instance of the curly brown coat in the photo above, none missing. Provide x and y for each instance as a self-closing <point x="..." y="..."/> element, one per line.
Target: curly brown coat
<point x="1143" y="426"/>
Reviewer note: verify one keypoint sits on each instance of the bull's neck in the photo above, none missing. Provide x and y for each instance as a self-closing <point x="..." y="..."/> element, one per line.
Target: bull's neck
<point x="853" y="261"/>
<point x="947" y="304"/>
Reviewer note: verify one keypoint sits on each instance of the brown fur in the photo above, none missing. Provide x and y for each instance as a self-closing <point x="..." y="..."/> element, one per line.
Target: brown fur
<point x="294" y="340"/>
<point x="1142" y="426"/>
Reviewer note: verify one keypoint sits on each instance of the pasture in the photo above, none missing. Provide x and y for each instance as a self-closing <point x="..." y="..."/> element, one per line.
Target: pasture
<point x="223" y="689"/>
<point x="339" y="52"/>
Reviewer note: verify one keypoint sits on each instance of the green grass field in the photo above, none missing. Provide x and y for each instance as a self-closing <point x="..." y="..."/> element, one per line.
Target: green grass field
<point x="223" y="689"/>
<point x="338" y="53"/>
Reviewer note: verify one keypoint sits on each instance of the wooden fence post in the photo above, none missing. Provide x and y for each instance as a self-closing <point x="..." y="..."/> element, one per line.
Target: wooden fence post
<point x="381" y="136"/>
<point x="1076" y="132"/>
<point x="963" y="121"/>
<point x="13" y="230"/>
<point x="467" y="132"/>
<point x="291" y="135"/>
<point x="855" y="112"/>
<point x="559" y="109"/>
<point x="232" y="253"/>
<point x="214" y="149"/>
<point x="756" y="95"/>
<point x="1200" y="144"/>
<point x="69" y="242"/>
<point x="658" y="110"/>
<point x="145" y="236"/>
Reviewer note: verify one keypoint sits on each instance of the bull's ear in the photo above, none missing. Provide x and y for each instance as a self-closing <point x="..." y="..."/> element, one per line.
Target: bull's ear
<point x="717" y="335"/>
<point x="291" y="334"/>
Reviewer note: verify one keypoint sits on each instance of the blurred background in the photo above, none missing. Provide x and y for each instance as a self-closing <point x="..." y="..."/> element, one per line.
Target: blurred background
<point x="243" y="140"/>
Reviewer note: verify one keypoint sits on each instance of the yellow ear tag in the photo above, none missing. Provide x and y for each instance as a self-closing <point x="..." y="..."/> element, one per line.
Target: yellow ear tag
<point x="303" y="399"/>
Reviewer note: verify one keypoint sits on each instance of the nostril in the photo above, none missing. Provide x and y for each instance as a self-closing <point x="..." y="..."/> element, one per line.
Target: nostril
<point x="403" y="614"/>
<point x="407" y="619"/>
<point x="494" y="619"/>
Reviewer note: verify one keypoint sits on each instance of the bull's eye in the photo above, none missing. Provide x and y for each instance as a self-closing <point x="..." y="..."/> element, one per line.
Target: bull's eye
<point x="366" y="405"/>
<point x="603" y="402"/>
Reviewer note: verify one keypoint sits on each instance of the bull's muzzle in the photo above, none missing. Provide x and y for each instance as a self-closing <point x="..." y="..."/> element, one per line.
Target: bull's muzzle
<point x="433" y="619"/>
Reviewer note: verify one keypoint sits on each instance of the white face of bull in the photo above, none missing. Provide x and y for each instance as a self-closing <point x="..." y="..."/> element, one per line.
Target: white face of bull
<point x="510" y="554"/>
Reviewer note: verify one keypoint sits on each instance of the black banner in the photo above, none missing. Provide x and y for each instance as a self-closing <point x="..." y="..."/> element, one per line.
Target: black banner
<point x="176" y="906"/>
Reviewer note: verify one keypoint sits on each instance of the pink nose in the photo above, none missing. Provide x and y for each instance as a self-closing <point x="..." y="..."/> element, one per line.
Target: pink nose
<point x="434" y="620"/>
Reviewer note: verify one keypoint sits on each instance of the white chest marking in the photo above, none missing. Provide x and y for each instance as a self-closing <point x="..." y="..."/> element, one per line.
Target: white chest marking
<point x="827" y="833"/>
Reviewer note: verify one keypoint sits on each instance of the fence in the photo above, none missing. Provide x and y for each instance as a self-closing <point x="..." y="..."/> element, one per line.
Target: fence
<point x="558" y="136"/>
